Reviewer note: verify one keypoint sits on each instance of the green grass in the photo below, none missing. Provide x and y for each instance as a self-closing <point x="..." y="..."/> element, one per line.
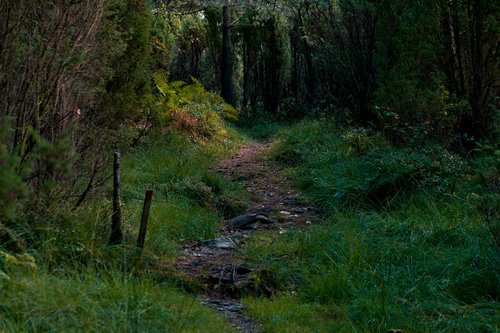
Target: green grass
<point x="355" y="168"/>
<point x="186" y="192"/>
<point x="402" y="244"/>
<point x="262" y="129"/>
<point x="98" y="302"/>
<point x="188" y="204"/>
<point x="423" y="261"/>
<point x="408" y="269"/>
<point x="82" y="284"/>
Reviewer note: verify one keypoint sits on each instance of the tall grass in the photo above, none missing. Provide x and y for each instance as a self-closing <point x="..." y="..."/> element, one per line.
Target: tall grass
<point x="99" y="302"/>
<point x="421" y="260"/>
<point x="73" y="281"/>
<point x="187" y="192"/>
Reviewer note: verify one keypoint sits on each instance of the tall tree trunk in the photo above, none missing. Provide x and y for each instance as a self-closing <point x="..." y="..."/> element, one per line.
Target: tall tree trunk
<point x="227" y="89"/>
<point x="295" y="38"/>
<point x="273" y="62"/>
<point x="310" y="78"/>
<point x="472" y="123"/>
<point x="458" y="45"/>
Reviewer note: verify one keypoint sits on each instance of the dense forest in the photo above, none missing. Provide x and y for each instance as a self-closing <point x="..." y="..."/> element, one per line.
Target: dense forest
<point x="335" y="165"/>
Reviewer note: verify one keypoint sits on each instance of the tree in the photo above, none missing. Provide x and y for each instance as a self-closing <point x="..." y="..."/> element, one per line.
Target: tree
<point x="227" y="86"/>
<point x="472" y="60"/>
<point x="69" y="72"/>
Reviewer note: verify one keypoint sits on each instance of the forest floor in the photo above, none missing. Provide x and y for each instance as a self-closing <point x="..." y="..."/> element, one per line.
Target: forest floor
<point x="274" y="205"/>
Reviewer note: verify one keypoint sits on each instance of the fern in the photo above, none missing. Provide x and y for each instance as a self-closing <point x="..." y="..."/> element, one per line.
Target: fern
<point x="191" y="109"/>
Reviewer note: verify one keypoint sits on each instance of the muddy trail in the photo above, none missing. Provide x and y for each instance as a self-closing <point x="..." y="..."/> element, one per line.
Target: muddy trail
<point x="214" y="264"/>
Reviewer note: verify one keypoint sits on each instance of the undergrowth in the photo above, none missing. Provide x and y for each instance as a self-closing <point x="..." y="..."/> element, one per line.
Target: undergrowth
<point x="402" y="244"/>
<point x="59" y="274"/>
<point x="95" y="301"/>
<point x="189" y="199"/>
<point x="359" y="169"/>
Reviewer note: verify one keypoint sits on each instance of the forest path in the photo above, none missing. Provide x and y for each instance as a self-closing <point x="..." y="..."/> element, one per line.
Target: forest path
<point x="274" y="205"/>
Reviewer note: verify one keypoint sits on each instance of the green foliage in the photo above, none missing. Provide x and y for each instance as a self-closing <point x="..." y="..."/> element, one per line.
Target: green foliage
<point x="356" y="168"/>
<point x="70" y="243"/>
<point x="412" y="244"/>
<point x="287" y="313"/>
<point x="187" y="199"/>
<point x="187" y="194"/>
<point x="485" y="188"/>
<point x="129" y="28"/>
<point x="93" y="78"/>
<point x="78" y="282"/>
<point x="258" y="129"/>
<point x="15" y="263"/>
<point x="47" y="163"/>
<point x="11" y="184"/>
<point x="427" y="263"/>
<point x="419" y="268"/>
<point x="210" y="63"/>
<point x="420" y="71"/>
<point x="265" y="57"/>
<point x="97" y="302"/>
<point x="192" y="110"/>
<point x="412" y="101"/>
<point x="163" y="40"/>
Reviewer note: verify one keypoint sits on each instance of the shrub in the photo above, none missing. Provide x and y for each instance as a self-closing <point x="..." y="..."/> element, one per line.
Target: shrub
<point x="192" y="110"/>
<point x="355" y="167"/>
<point x="11" y="184"/>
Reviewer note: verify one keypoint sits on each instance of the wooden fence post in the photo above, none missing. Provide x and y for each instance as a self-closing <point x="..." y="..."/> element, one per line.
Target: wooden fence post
<point x="116" y="218"/>
<point x="144" y="218"/>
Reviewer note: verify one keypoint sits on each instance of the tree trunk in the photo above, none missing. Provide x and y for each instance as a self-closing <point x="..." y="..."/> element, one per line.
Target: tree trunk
<point x="227" y="89"/>
<point x="310" y="77"/>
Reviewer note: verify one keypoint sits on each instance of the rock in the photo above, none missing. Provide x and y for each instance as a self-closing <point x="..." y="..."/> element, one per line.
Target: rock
<point x="246" y="220"/>
<point x="299" y="210"/>
<point x="221" y="243"/>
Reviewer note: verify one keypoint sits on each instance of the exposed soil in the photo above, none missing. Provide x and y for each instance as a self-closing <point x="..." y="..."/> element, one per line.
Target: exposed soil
<point x="214" y="264"/>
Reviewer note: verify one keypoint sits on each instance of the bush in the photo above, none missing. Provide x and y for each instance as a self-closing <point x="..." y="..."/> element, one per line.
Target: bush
<point x="194" y="111"/>
<point x="11" y="184"/>
<point x="353" y="168"/>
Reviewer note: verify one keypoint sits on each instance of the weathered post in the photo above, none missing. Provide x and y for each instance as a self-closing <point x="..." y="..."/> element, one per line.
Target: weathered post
<point x="116" y="218"/>
<point x="144" y="218"/>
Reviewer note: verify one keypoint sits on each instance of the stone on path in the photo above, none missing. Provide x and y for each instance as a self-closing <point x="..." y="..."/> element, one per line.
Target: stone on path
<point x="246" y="220"/>
<point x="221" y="243"/>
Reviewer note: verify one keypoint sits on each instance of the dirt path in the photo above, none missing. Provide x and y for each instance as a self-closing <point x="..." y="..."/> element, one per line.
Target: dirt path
<point x="273" y="206"/>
